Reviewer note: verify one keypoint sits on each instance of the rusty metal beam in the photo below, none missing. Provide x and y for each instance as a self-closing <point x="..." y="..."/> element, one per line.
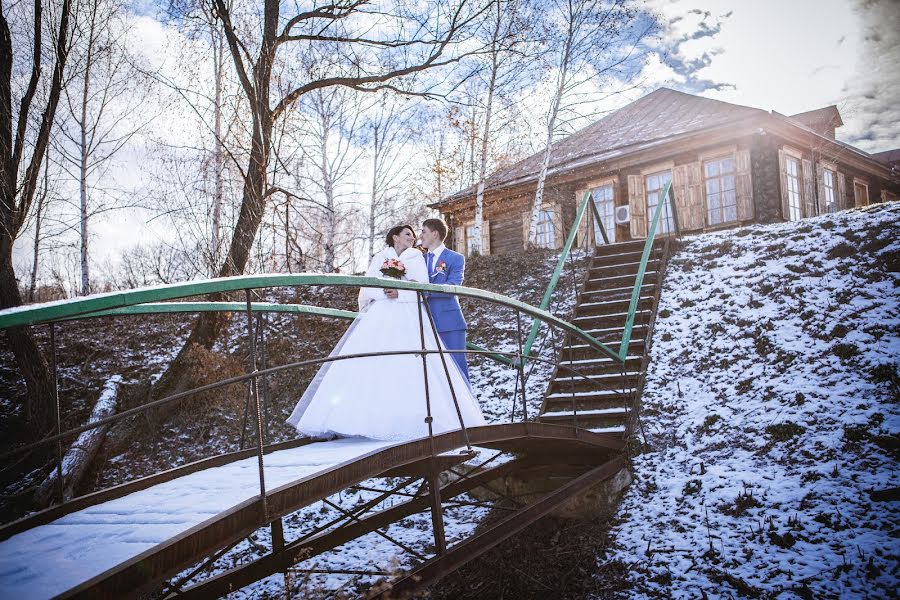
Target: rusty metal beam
<point x="216" y="587"/>
<point x="432" y="570"/>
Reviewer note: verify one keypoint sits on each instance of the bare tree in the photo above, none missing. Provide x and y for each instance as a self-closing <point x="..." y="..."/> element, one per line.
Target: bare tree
<point x="388" y="131"/>
<point x="331" y="155"/>
<point x="505" y="65"/>
<point x="591" y="40"/>
<point x="102" y="114"/>
<point x="23" y="144"/>
<point x="339" y="42"/>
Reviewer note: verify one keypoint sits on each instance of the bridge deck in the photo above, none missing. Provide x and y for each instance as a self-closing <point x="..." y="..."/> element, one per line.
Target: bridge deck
<point x="126" y="545"/>
<point x="52" y="558"/>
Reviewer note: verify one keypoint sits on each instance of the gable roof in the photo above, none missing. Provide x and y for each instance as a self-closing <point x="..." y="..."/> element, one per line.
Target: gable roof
<point x="821" y="116"/>
<point x="890" y="157"/>
<point x="660" y="114"/>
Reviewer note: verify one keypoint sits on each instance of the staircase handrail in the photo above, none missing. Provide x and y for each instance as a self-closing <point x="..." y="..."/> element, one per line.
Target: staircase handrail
<point x="642" y="267"/>
<point x="554" y="279"/>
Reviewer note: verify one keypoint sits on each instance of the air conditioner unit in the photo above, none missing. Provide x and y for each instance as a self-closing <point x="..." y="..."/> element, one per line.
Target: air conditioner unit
<point x="623" y="215"/>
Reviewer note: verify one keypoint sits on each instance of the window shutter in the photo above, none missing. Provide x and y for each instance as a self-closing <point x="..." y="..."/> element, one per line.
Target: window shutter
<point x="782" y="167"/>
<point x="526" y="221"/>
<point x="681" y="192"/>
<point x="582" y="238"/>
<point x="459" y="239"/>
<point x="638" y="205"/>
<point x="841" y="200"/>
<point x="809" y="190"/>
<point x="696" y="207"/>
<point x="485" y="236"/>
<point x="558" y="231"/>
<point x="743" y="185"/>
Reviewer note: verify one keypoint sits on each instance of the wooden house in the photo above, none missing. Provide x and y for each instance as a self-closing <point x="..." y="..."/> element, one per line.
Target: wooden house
<point x="729" y="165"/>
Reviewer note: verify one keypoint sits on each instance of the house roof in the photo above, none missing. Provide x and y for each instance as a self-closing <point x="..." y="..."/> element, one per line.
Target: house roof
<point x="890" y="157"/>
<point x="660" y="114"/>
<point x="821" y="116"/>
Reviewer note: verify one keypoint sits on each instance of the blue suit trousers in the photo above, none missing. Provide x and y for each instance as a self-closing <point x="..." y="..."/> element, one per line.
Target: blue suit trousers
<point x="456" y="340"/>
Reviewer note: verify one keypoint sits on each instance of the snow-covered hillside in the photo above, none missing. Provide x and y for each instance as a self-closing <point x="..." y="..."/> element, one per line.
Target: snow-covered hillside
<point x="770" y="416"/>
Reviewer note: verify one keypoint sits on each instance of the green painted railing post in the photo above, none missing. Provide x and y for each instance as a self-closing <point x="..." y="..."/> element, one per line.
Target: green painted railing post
<point x="639" y="280"/>
<point x="548" y="294"/>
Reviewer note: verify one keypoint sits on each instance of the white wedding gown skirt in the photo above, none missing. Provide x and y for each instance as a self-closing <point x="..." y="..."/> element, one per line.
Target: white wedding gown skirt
<point x="383" y="397"/>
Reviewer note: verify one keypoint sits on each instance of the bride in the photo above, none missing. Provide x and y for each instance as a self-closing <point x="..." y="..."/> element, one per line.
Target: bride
<point x="383" y="397"/>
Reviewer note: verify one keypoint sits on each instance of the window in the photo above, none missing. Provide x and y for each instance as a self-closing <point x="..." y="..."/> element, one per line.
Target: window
<point x="860" y="193"/>
<point x="470" y="239"/>
<point x="828" y="184"/>
<point x="654" y="184"/>
<point x="546" y="236"/>
<point x="792" y="169"/>
<point x="603" y="199"/>
<point x="721" y="195"/>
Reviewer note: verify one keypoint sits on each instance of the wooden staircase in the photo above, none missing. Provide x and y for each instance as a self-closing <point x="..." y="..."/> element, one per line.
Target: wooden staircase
<point x="603" y="403"/>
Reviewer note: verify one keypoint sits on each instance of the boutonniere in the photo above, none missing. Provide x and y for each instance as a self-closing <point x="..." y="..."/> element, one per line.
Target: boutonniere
<point x="441" y="267"/>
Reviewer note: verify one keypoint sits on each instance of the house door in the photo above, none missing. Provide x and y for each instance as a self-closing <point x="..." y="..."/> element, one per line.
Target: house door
<point x="602" y="198"/>
<point x="654" y="184"/>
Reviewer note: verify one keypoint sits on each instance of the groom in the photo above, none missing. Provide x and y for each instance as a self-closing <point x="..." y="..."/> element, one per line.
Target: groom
<point x="447" y="267"/>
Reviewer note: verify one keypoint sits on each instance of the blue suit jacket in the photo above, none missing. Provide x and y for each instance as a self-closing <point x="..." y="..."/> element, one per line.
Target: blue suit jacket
<point x="445" y="307"/>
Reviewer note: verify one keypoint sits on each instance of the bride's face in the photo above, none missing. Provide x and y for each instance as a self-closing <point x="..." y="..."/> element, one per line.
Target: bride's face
<point x="405" y="239"/>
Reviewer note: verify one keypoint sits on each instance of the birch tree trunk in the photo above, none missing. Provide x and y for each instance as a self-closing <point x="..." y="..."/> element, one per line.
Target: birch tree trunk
<point x="218" y="151"/>
<point x="486" y="133"/>
<point x="78" y="458"/>
<point x="551" y="129"/>
<point x="374" y="205"/>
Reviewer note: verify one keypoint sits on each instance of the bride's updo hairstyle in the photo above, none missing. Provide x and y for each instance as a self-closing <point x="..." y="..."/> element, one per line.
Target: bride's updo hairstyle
<point x="389" y="238"/>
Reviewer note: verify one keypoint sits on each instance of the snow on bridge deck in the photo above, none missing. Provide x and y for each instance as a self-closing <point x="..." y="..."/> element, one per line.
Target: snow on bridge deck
<point x="50" y="559"/>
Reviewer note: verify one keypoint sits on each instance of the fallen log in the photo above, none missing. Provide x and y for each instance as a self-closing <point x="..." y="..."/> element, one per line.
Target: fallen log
<point x="78" y="457"/>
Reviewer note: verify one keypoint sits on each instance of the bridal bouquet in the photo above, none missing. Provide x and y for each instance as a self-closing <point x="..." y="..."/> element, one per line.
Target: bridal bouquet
<point x="393" y="268"/>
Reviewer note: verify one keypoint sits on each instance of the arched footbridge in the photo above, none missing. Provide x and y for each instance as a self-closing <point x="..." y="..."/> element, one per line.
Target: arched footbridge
<point x="161" y="536"/>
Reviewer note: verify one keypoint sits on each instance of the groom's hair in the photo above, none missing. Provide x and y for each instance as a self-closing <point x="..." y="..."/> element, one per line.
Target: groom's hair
<point x="436" y="225"/>
<point x="389" y="238"/>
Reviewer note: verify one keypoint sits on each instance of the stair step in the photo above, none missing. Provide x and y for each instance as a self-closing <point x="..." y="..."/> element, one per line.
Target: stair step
<point x="582" y="404"/>
<point x="616" y="332"/>
<point x="611" y="381"/>
<point x="616" y="282"/>
<point x="587" y="421"/>
<point x="600" y="377"/>
<point x="612" y="306"/>
<point x="626" y="268"/>
<point x="602" y="366"/>
<point x="582" y="351"/>
<point x="623" y="292"/>
<point x="641" y="317"/>
<point x="568" y="414"/>
<point x="611" y="429"/>
<point x="622" y="247"/>
<point x="591" y="394"/>
<point x="622" y="257"/>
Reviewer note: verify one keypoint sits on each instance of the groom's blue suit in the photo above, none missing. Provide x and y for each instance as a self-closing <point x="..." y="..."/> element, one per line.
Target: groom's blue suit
<point x="448" y="268"/>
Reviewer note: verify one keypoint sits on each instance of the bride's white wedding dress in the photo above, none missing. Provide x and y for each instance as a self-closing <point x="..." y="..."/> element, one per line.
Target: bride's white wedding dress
<point x="383" y="397"/>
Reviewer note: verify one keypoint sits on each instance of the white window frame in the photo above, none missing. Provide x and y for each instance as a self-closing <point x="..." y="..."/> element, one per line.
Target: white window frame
<point x="829" y="202"/>
<point x="546" y="232"/>
<point x="667" y="222"/>
<point x="794" y="186"/>
<point x="609" y="220"/>
<point x="720" y="196"/>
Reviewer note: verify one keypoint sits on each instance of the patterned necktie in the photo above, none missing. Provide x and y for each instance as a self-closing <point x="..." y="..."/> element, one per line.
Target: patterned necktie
<point x="429" y="259"/>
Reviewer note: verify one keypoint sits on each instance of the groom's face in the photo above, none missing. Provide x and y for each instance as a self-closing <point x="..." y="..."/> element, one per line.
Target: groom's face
<point x="429" y="238"/>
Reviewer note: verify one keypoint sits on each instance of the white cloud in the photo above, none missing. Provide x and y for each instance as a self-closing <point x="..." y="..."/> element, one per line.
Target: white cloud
<point x="792" y="57"/>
